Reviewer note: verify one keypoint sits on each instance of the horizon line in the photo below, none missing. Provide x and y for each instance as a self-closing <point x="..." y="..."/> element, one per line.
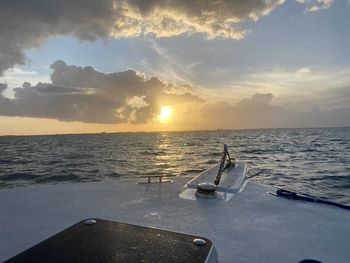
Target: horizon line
<point x="173" y="131"/>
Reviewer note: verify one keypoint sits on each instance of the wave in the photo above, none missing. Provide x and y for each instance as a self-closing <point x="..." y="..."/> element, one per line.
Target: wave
<point x="18" y="176"/>
<point x="6" y="161"/>
<point x="212" y="154"/>
<point x="14" y="161"/>
<point x="59" y="178"/>
<point x="212" y="161"/>
<point x="156" y="153"/>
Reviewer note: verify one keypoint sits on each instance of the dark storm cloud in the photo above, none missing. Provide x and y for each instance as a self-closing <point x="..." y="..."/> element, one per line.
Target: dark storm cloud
<point x="84" y="94"/>
<point x="27" y="24"/>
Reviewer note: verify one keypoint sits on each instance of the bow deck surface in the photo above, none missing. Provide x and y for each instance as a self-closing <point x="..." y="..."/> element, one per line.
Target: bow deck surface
<point x="251" y="226"/>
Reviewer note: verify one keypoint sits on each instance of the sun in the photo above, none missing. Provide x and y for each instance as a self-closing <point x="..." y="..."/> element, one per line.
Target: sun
<point x="165" y="114"/>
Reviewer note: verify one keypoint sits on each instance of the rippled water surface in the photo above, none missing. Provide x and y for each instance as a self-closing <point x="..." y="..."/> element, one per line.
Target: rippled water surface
<point x="313" y="161"/>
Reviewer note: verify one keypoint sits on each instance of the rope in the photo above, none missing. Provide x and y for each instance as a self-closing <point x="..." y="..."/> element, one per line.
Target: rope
<point x="302" y="197"/>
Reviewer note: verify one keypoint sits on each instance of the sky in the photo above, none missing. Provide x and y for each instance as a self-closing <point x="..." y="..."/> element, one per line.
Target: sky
<point x="89" y="66"/>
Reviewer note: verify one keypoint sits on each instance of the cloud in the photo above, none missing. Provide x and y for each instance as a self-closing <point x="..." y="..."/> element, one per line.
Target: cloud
<point x="255" y="112"/>
<point x="258" y="112"/>
<point x="316" y="5"/>
<point x="14" y="77"/>
<point x="304" y="70"/>
<point x="27" y="24"/>
<point x="2" y="88"/>
<point x="86" y="95"/>
<point x="214" y="18"/>
<point x="301" y="88"/>
<point x="83" y="94"/>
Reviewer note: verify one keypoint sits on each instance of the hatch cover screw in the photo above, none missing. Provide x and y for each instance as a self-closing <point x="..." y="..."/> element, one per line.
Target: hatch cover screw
<point x="90" y="222"/>
<point x="199" y="242"/>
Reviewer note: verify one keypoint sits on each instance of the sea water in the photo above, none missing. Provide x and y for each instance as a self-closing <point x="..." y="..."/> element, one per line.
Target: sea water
<point x="313" y="161"/>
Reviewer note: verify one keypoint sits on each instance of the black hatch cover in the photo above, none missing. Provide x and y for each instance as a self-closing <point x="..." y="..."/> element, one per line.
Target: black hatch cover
<point x="100" y="240"/>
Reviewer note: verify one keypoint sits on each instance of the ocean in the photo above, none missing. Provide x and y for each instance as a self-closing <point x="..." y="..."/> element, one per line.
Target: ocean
<point x="314" y="161"/>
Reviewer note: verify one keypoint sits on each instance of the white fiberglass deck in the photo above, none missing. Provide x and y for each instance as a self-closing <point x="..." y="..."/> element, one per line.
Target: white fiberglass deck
<point x="252" y="226"/>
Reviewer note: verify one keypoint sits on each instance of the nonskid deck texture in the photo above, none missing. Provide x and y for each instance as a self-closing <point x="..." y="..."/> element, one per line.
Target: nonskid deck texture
<point x="252" y="226"/>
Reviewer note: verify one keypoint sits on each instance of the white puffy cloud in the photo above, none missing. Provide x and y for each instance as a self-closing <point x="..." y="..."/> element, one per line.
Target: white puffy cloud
<point x="316" y="5"/>
<point x="302" y="71"/>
